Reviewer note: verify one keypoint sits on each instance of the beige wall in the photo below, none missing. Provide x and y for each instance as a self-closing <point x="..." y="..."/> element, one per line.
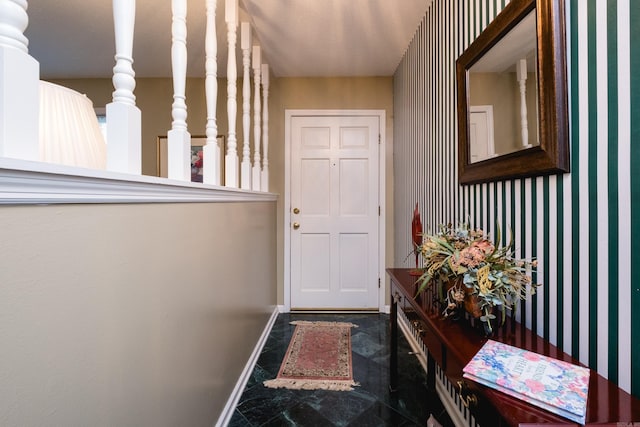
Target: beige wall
<point x="130" y="315"/>
<point x="501" y="90"/>
<point x="154" y="97"/>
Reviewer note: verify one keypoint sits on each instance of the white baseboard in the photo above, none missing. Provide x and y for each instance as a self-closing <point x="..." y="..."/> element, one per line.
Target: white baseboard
<point x="282" y="309"/>
<point x="232" y="402"/>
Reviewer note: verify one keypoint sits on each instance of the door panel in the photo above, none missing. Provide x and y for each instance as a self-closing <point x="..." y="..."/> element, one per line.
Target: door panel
<point x="334" y="185"/>
<point x="315" y="266"/>
<point x="353" y="187"/>
<point x="315" y="176"/>
<point x="352" y="264"/>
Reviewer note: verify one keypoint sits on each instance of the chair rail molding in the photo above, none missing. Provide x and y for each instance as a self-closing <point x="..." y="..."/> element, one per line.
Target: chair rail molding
<point x="28" y="183"/>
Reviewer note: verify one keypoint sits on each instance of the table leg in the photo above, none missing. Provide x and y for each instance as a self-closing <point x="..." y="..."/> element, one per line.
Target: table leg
<point x="431" y="372"/>
<point x="393" y="357"/>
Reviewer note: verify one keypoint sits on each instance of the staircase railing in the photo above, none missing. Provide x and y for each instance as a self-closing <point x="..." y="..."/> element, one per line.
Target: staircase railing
<point x="19" y="98"/>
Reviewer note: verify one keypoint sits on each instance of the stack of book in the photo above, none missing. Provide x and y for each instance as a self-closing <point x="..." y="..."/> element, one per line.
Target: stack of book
<point x="557" y="386"/>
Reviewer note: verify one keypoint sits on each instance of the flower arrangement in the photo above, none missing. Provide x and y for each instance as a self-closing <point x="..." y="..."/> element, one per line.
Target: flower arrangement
<point x="471" y="272"/>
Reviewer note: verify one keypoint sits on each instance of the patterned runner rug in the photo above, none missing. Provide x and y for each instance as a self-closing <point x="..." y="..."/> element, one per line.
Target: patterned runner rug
<point x="318" y="358"/>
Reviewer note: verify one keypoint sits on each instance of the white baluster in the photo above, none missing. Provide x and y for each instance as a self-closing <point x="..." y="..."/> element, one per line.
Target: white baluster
<point x="521" y="74"/>
<point x="255" y="178"/>
<point x="231" y="159"/>
<point x="178" y="138"/>
<point x="264" y="181"/>
<point x="245" y="166"/>
<point x="211" y="151"/>
<point x="14" y="18"/>
<point x="124" y="129"/>
<point x="19" y="80"/>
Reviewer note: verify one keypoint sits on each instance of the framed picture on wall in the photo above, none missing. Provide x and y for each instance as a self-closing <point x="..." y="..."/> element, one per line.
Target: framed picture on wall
<point x="197" y="144"/>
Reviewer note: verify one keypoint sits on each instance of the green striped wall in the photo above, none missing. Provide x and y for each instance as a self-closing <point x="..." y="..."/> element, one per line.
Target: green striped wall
<point x="584" y="226"/>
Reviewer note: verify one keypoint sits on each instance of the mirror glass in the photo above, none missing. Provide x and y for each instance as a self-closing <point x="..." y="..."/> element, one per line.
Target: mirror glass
<point x="503" y="94"/>
<point x="512" y="95"/>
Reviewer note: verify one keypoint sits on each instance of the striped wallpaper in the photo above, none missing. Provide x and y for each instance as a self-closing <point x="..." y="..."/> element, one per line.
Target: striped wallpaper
<point x="583" y="226"/>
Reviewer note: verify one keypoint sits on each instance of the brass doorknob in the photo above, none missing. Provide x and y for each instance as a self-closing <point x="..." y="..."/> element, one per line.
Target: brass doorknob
<point x="296" y="225"/>
<point x="296" y="210"/>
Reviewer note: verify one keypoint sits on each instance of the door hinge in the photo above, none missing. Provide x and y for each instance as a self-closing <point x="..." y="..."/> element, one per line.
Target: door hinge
<point x="379" y="283"/>
<point x="379" y="139"/>
<point x="379" y="210"/>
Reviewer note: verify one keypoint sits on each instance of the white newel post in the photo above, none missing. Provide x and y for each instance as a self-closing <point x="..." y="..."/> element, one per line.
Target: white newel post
<point x="264" y="182"/>
<point x="178" y="138"/>
<point x="521" y="74"/>
<point x="19" y="85"/>
<point x="256" y="172"/>
<point x="211" y="152"/>
<point x="124" y="119"/>
<point x="231" y="158"/>
<point x="245" y="166"/>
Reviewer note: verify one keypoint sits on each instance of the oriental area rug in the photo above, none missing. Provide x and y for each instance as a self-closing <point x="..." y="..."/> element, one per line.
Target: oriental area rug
<point x="318" y="358"/>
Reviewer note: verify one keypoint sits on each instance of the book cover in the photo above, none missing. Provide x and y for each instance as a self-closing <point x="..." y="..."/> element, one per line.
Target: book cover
<point x="554" y="385"/>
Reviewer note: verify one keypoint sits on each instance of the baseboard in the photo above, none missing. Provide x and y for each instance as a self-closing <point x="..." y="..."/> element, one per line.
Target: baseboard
<point x="232" y="402"/>
<point x="385" y="309"/>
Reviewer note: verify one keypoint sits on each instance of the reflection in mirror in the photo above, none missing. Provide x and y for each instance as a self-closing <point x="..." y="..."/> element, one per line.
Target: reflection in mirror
<point x="512" y="95"/>
<point x="503" y="108"/>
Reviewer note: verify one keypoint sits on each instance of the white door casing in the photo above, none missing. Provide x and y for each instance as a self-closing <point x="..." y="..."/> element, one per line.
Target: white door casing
<point x="334" y="259"/>
<point x="481" y="143"/>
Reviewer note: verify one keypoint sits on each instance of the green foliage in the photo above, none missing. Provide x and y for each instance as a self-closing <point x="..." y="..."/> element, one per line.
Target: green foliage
<point x="477" y="267"/>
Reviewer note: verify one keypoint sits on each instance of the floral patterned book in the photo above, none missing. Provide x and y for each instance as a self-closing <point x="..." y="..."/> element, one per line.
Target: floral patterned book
<point x="557" y="386"/>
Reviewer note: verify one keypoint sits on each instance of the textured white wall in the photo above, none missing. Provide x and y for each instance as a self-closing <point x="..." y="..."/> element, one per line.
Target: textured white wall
<point x="130" y="315"/>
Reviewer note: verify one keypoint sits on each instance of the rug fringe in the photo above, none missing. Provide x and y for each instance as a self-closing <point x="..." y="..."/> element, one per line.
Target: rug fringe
<point x="323" y="323"/>
<point x="311" y="384"/>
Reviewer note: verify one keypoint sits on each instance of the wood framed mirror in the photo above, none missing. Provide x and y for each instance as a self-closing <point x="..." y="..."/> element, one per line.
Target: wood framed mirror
<point x="512" y="95"/>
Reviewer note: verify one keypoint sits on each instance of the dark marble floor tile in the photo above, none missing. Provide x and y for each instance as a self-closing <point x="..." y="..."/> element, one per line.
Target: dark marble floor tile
<point x="238" y="420"/>
<point x="260" y="404"/>
<point x="300" y="415"/>
<point x="269" y="361"/>
<point x="375" y="324"/>
<point x="258" y="376"/>
<point x="340" y="409"/>
<point x="373" y="377"/>
<point x="381" y="414"/>
<point x="365" y="344"/>
<point x="369" y="404"/>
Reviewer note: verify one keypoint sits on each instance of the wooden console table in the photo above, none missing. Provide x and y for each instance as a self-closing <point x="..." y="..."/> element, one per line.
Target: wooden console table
<point x="451" y="345"/>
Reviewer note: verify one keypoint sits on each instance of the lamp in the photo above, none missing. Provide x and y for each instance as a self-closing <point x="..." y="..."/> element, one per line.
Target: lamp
<point x="69" y="129"/>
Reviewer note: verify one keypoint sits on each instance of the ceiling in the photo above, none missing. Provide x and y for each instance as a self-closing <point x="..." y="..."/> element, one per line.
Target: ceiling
<point x="298" y="38"/>
<point x="519" y="43"/>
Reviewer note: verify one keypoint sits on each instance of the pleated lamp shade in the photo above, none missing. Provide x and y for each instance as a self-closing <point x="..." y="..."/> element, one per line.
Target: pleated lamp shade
<point x="69" y="129"/>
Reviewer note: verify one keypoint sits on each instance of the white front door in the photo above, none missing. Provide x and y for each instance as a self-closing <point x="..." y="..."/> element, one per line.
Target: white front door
<point x="334" y="212"/>
<point x="481" y="144"/>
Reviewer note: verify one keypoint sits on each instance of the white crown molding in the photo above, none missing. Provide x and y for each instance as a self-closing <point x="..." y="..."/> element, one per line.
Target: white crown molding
<point x="24" y="182"/>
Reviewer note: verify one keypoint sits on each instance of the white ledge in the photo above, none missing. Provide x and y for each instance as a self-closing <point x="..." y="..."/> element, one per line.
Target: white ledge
<point x="24" y="182"/>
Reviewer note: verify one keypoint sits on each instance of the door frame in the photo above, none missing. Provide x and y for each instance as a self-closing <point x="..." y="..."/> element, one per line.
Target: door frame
<point x="487" y="112"/>
<point x="288" y="116"/>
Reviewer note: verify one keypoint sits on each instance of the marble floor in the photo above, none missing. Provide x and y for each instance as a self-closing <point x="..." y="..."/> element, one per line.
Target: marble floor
<point x="370" y="404"/>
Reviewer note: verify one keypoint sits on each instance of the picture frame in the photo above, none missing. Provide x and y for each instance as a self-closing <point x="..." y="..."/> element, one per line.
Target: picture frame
<point x="197" y="144"/>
